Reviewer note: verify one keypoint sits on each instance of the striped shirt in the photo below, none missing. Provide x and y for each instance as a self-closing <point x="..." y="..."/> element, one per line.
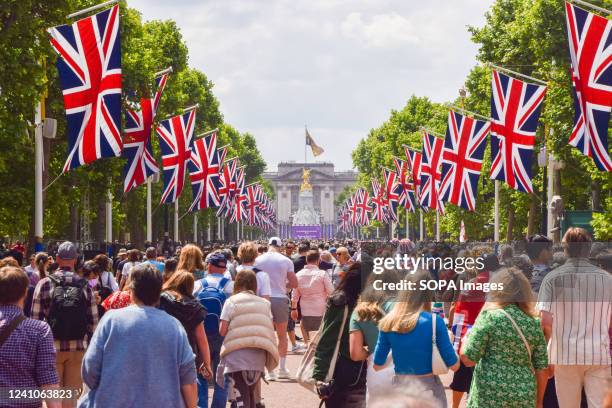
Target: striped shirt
<point x="41" y="305"/>
<point x="579" y="297"/>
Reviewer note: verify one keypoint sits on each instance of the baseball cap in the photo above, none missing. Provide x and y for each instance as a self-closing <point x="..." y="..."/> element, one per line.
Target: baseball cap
<point x="332" y="250"/>
<point x="67" y="251"/>
<point x="217" y="259"/>
<point x="275" y="241"/>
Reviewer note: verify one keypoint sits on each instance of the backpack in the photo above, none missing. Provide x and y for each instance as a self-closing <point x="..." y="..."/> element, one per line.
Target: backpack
<point x="212" y="299"/>
<point x="68" y="312"/>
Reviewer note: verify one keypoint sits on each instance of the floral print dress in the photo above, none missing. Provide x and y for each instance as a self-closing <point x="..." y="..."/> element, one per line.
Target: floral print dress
<point x="503" y="376"/>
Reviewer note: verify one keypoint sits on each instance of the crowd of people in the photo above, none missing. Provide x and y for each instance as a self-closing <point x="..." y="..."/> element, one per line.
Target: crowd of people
<point x="143" y="330"/>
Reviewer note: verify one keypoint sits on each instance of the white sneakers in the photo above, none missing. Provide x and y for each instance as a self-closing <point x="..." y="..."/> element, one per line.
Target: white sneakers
<point x="279" y="374"/>
<point x="299" y="347"/>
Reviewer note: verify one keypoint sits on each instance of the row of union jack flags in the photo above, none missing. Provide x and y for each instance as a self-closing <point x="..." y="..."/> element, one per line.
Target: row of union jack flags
<point x="448" y="170"/>
<point x="90" y="73"/>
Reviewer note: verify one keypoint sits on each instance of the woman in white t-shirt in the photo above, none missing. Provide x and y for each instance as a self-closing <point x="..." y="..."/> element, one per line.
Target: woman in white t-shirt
<point x="134" y="259"/>
<point x="247" y="252"/>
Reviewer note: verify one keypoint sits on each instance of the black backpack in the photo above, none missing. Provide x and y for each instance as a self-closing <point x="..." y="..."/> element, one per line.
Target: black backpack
<point x="68" y="312"/>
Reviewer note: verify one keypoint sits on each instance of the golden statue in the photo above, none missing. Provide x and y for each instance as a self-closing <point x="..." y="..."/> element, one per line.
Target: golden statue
<point x="306" y="186"/>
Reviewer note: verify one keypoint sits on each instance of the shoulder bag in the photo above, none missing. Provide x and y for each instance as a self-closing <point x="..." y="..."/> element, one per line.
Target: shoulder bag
<point x="520" y="333"/>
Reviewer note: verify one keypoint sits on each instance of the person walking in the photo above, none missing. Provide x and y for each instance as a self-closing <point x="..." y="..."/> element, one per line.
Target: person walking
<point x="212" y="291"/>
<point x="247" y="253"/>
<point x="314" y="286"/>
<point x="133" y="259"/>
<point x="67" y="303"/>
<point x="282" y="277"/>
<point x="343" y="262"/>
<point x="27" y="354"/>
<point x="407" y="332"/>
<point x="506" y="344"/>
<point x="249" y="344"/>
<point x="140" y="356"/>
<point x="191" y="260"/>
<point x="177" y="300"/>
<point x="574" y="304"/>
<point x="348" y="388"/>
<point x="151" y="257"/>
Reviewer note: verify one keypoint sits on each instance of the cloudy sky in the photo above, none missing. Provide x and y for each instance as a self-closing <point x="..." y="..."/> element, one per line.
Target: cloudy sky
<point x="338" y="66"/>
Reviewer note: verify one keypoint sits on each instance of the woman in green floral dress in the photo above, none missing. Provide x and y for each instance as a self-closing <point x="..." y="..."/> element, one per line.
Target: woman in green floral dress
<point x="507" y="374"/>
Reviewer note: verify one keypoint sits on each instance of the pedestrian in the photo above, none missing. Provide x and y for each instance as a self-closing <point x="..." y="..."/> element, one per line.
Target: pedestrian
<point x="119" y="262"/>
<point x="31" y="270"/>
<point x="282" y="277"/>
<point x="344" y="261"/>
<point x="506" y="344"/>
<point x="348" y="386"/>
<point x="576" y="320"/>
<point x="313" y="288"/>
<point x="140" y="356"/>
<point x="539" y="250"/>
<point x="372" y="306"/>
<point x="170" y="267"/>
<point x="249" y="346"/>
<point x="177" y="300"/>
<point x="247" y="253"/>
<point x="107" y="279"/>
<point x="407" y="332"/>
<point x="151" y="257"/>
<point x="191" y="260"/>
<point x="67" y="303"/>
<point x="133" y="259"/>
<point x="212" y="291"/>
<point x="118" y="299"/>
<point x="27" y="354"/>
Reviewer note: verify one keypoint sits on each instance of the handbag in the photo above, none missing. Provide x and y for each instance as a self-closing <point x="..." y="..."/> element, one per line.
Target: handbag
<point x="520" y="332"/>
<point x="306" y="368"/>
<point x="438" y="366"/>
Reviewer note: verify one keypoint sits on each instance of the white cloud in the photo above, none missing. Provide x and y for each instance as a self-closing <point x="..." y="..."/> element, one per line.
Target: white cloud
<point x="338" y="65"/>
<point x="381" y="31"/>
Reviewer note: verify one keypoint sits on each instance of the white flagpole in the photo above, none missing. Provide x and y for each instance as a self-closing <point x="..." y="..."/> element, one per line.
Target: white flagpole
<point x="549" y="195"/>
<point x="92" y="8"/>
<point x="195" y="228"/>
<point x="38" y="172"/>
<point x="437" y="226"/>
<point x="149" y="217"/>
<point x="496" y="214"/>
<point x="421" y="235"/>
<point x="176" y="220"/>
<point x="109" y="217"/>
<point x="407" y="225"/>
<point x="209" y="232"/>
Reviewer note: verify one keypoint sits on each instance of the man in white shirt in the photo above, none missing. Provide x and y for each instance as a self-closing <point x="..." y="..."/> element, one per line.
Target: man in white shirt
<point x="282" y="277"/>
<point x="574" y="303"/>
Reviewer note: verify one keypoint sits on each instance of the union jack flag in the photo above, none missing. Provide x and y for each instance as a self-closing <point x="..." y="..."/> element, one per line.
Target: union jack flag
<point x="363" y="206"/>
<point x="137" y="148"/>
<point x="464" y="146"/>
<point x="221" y="153"/>
<point x="343" y="217"/>
<point x="413" y="159"/>
<point x="379" y="206"/>
<point x="252" y="204"/>
<point x="175" y="135"/>
<point x="227" y="187"/>
<point x="590" y="44"/>
<point x="394" y="192"/>
<point x="240" y="198"/>
<point x="204" y="173"/>
<point x="90" y="75"/>
<point x="431" y="157"/>
<point x="405" y="181"/>
<point x="354" y="209"/>
<point x="515" y="110"/>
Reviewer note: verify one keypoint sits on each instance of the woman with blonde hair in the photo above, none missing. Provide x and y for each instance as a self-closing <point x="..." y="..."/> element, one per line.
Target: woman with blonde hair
<point x="177" y="300"/>
<point x="249" y="345"/>
<point x="192" y="261"/>
<point x="407" y="332"/>
<point x="247" y="253"/>
<point x="507" y="346"/>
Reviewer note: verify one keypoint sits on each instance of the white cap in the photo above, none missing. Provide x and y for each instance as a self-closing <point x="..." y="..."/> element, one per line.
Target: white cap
<point x="276" y="241"/>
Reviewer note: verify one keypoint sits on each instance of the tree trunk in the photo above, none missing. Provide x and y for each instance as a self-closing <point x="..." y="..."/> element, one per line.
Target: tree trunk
<point x="596" y="196"/>
<point x="510" y="235"/>
<point x="533" y="212"/>
<point x="74" y="223"/>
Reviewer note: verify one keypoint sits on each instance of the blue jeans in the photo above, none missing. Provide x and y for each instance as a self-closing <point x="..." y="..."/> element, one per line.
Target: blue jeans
<point x="219" y="399"/>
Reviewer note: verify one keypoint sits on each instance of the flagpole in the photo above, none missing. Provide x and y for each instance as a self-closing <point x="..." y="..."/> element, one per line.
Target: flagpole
<point x="176" y="220"/>
<point x="109" y="217"/>
<point x="437" y="226"/>
<point x="594" y="7"/>
<point x="407" y="226"/>
<point x="209" y="232"/>
<point x="195" y="228"/>
<point x="38" y="172"/>
<point x="149" y="221"/>
<point x="421" y="224"/>
<point x="92" y="8"/>
<point x="496" y="213"/>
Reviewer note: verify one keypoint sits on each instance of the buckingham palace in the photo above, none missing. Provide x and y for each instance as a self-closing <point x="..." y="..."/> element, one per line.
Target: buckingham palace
<point x="326" y="185"/>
